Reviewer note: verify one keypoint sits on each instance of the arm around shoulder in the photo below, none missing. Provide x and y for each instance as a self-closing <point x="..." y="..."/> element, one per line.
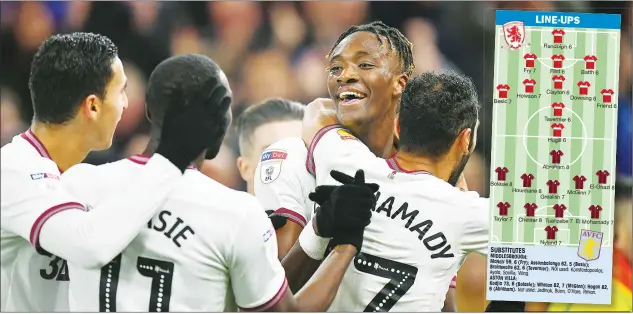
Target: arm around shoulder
<point x="335" y="148"/>
<point x="92" y="239"/>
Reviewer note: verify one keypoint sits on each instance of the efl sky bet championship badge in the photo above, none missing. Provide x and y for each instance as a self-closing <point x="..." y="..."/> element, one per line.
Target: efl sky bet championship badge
<point x="271" y="165"/>
<point x="553" y="152"/>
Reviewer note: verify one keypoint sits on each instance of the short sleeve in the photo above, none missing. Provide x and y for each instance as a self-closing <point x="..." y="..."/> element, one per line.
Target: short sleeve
<point x="476" y="227"/>
<point x="281" y="182"/>
<point x="334" y="148"/>
<point x="258" y="280"/>
<point x="30" y="198"/>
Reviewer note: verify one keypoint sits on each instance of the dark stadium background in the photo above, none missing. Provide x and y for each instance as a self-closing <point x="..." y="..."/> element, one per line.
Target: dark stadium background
<point x="277" y="50"/>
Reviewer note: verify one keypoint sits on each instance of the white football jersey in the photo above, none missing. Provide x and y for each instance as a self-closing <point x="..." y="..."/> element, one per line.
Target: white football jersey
<point x="209" y="249"/>
<point x="284" y="183"/>
<point x="419" y="235"/>
<point x="32" y="280"/>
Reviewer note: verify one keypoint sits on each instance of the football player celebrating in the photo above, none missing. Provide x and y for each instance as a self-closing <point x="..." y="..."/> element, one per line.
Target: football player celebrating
<point x="368" y="68"/>
<point x="209" y="248"/>
<point x="423" y="226"/>
<point x="77" y="85"/>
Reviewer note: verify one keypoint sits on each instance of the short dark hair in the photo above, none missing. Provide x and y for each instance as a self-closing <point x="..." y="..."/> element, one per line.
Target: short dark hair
<point x="270" y="110"/>
<point x="176" y="81"/>
<point x="65" y="70"/>
<point x="395" y="38"/>
<point x="434" y="109"/>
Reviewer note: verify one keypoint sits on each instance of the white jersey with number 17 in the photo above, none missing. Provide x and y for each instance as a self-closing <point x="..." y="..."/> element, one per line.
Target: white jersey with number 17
<point x="419" y="235"/>
<point x="208" y="249"/>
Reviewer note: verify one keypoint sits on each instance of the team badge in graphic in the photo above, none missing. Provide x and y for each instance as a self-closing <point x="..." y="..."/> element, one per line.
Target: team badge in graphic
<point x="514" y="34"/>
<point x="590" y="244"/>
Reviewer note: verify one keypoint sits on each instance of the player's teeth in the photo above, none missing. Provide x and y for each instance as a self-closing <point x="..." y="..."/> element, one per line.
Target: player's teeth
<point x="347" y="95"/>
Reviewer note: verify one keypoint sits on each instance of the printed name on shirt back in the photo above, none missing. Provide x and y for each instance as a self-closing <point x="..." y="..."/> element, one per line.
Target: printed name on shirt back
<point x="43" y="175"/>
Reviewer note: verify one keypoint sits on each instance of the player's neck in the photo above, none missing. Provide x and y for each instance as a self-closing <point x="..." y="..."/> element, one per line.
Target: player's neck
<point x="411" y="163"/>
<point x="66" y="144"/>
<point x="379" y="140"/>
<point x="152" y="145"/>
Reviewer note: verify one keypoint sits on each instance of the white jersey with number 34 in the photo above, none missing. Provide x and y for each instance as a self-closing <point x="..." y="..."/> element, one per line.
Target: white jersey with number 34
<point x="208" y="249"/>
<point x="419" y="235"/>
<point x="32" y="279"/>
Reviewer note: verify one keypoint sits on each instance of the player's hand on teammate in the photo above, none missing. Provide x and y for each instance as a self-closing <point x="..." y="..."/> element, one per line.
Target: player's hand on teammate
<point x="317" y="115"/>
<point x="201" y="125"/>
<point x="345" y="210"/>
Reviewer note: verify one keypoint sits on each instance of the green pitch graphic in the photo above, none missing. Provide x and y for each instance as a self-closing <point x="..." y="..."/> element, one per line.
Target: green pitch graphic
<point x="554" y="136"/>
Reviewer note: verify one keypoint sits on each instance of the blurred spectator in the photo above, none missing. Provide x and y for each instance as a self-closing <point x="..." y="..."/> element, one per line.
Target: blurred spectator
<point x="309" y="72"/>
<point x="11" y="124"/>
<point x="476" y="174"/>
<point x="33" y="23"/>
<point x="427" y="56"/>
<point x="268" y="74"/>
<point x="288" y="27"/>
<point x="328" y="19"/>
<point x="234" y="26"/>
<point x="136" y="145"/>
<point x="134" y="117"/>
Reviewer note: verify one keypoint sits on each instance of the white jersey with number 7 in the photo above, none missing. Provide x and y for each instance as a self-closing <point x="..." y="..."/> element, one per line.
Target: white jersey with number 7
<point x="419" y="235"/>
<point x="209" y="249"/>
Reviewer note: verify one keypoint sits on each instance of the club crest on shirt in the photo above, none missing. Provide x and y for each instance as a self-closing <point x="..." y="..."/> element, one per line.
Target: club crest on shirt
<point x="271" y="165"/>
<point x="43" y="175"/>
<point x="345" y="135"/>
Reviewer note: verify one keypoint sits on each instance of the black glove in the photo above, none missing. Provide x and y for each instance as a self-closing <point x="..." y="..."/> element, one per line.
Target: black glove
<point x="505" y="306"/>
<point x="189" y="130"/>
<point x="278" y="221"/>
<point x="344" y="211"/>
<point x="324" y="216"/>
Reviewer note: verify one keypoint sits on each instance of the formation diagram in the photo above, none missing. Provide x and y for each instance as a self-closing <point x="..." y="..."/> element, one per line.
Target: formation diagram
<point x="555" y="112"/>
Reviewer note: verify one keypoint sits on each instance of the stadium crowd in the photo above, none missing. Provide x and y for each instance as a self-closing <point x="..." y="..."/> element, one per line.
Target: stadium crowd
<point x="277" y="50"/>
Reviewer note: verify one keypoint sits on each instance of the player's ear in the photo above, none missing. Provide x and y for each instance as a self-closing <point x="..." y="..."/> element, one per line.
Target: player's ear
<point x="243" y="166"/>
<point x="399" y="84"/>
<point x="91" y="107"/>
<point x="464" y="141"/>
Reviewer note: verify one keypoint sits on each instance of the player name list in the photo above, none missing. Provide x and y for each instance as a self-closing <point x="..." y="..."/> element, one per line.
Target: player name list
<point x="553" y="154"/>
<point x="516" y="272"/>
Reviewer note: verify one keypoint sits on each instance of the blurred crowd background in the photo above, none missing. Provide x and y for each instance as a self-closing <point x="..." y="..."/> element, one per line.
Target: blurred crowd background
<point x="276" y="49"/>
